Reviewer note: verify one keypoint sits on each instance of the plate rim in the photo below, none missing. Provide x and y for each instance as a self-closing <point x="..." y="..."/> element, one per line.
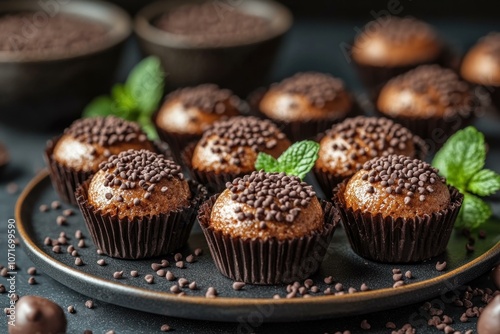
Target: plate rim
<point x="224" y="302"/>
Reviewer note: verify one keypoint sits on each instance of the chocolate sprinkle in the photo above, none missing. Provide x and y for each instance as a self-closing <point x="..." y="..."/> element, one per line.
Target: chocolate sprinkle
<point x="208" y="98"/>
<point x="318" y="88"/>
<point x="276" y="196"/>
<point x="399" y="30"/>
<point x="71" y="309"/>
<point x="89" y="304"/>
<point x="403" y="175"/>
<point x="105" y="131"/>
<point x="238" y="132"/>
<point x="440" y="266"/>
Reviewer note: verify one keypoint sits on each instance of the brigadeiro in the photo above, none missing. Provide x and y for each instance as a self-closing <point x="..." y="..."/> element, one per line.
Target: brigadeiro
<point x="267" y="228"/>
<point x="187" y="112"/>
<point x="481" y="65"/>
<point x="76" y="155"/>
<point x="348" y="145"/>
<point x="431" y="101"/>
<point x="489" y="320"/>
<point x="397" y="209"/>
<point x="38" y="315"/>
<point x="229" y="149"/>
<point x="391" y="46"/>
<point x="139" y="205"/>
<point x="305" y="104"/>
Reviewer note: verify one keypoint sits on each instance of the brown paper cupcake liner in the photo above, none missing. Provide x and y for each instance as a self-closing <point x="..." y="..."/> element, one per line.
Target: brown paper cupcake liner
<point x="303" y="129"/>
<point x="140" y="237"/>
<point x="271" y="261"/>
<point x="66" y="180"/>
<point x="398" y="240"/>
<point x="214" y="182"/>
<point x="328" y="181"/>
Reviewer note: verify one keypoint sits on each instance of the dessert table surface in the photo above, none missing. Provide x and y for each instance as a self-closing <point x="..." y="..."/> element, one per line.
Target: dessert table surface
<point x="310" y="45"/>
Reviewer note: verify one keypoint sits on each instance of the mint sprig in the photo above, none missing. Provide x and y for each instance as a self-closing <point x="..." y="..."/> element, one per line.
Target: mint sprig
<point x="461" y="160"/>
<point x="297" y="160"/>
<point x="137" y="99"/>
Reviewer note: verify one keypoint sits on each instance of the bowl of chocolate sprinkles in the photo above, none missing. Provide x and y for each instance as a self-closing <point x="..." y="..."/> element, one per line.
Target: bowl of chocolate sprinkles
<point x="55" y="59"/>
<point x="226" y="43"/>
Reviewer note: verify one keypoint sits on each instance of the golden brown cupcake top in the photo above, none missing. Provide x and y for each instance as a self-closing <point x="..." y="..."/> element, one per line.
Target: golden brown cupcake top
<point x="395" y="42"/>
<point x="232" y="146"/>
<point x="348" y="145"/>
<point x="307" y="96"/>
<point x="397" y="186"/>
<point x="191" y="110"/>
<point x="138" y="184"/>
<point x="425" y="92"/>
<point x="267" y="205"/>
<point x="89" y="141"/>
<point x="481" y="64"/>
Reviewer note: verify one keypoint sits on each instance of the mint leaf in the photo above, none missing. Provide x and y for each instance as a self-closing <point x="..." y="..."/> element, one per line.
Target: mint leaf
<point x="299" y="158"/>
<point x="100" y="106"/>
<point x="484" y="183"/>
<point x="266" y="162"/>
<point x="461" y="157"/>
<point x="148" y="127"/>
<point x="146" y="83"/>
<point x="473" y="213"/>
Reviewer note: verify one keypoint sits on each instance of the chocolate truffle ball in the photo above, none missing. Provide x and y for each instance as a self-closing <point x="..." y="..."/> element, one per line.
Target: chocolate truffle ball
<point x="138" y="184"/>
<point x="489" y="320"/>
<point x="397" y="186"/>
<point x="38" y="315"/>
<point x="428" y="99"/>
<point x="232" y="146"/>
<point x="191" y="110"/>
<point x="481" y="64"/>
<point x="396" y="42"/>
<point x="348" y="145"/>
<point x="307" y="96"/>
<point x="267" y="205"/>
<point x="89" y="141"/>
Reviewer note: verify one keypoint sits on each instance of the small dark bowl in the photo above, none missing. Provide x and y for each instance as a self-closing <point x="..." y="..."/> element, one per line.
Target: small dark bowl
<point x="47" y="90"/>
<point x="239" y="66"/>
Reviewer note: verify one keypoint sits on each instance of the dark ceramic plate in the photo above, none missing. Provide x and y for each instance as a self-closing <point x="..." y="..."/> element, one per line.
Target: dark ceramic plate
<point x="252" y="303"/>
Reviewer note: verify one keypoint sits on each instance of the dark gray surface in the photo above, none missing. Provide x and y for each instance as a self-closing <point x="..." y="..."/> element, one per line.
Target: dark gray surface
<point x="310" y="46"/>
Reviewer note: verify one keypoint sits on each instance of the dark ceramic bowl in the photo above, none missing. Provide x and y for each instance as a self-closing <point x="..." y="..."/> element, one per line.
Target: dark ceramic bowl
<point x="239" y="66"/>
<point x="47" y="90"/>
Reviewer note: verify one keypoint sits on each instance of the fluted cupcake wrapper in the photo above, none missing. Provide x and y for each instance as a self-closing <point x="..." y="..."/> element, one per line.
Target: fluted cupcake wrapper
<point x="140" y="237"/>
<point x="66" y="180"/>
<point x="398" y="240"/>
<point x="328" y="181"/>
<point x="214" y="182"/>
<point x="270" y="261"/>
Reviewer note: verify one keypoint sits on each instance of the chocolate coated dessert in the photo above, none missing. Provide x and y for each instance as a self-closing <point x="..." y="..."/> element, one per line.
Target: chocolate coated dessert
<point x="139" y="205"/>
<point x="430" y="100"/>
<point x="38" y="315"/>
<point x="390" y="46"/>
<point x="267" y="205"/>
<point x="489" y="320"/>
<point x="85" y="144"/>
<point x="229" y="149"/>
<point x="397" y="209"/>
<point x="348" y="145"/>
<point x="187" y="112"/>
<point x="265" y="226"/>
<point x="306" y="103"/>
<point x="481" y="65"/>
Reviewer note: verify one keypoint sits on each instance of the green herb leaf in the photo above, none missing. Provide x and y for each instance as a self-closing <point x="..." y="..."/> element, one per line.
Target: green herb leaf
<point x="473" y="213"/>
<point x="146" y="83"/>
<point x="484" y="183"/>
<point x="100" y="106"/>
<point x="297" y="160"/>
<point x="148" y="127"/>
<point x="461" y="157"/>
<point x="266" y="162"/>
